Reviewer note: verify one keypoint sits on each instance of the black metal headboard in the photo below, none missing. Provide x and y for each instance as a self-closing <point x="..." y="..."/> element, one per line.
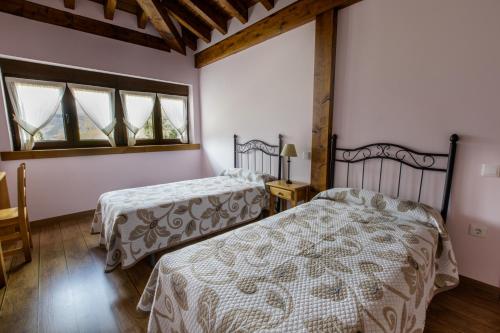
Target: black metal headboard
<point x="425" y="162"/>
<point x="267" y="151"/>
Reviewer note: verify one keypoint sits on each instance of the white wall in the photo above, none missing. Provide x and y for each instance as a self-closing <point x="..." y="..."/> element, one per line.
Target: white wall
<point x="415" y="72"/>
<point x="66" y="185"/>
<point x="258" y="93"/>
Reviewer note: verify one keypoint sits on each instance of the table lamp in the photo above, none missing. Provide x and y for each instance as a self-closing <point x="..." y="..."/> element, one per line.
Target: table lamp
<point x="289" y="151"/>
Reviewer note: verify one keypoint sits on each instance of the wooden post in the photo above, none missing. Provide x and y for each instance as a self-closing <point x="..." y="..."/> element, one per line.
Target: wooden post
<point x="324" y="75"/>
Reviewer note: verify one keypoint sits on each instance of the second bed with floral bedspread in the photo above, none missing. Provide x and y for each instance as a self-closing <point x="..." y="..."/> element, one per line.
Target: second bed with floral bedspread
<point x="140" y="221"/>
<point x="348" y="261"/>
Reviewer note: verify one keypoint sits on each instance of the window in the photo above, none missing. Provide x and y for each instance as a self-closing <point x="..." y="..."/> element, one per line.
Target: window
<point x="37" y="110"/>
<point x="138" y="115"/>
<point x="95" y="109"/>
<point x="154" y="118"/>
<point x="174" y="117"/>
<point x="54" y="107"/>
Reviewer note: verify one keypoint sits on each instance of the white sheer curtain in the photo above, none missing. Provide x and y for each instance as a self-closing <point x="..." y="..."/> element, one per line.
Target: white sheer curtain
<point x="137" y="108"/>
<point x="98" y="103"/>
<point x="35" y="103"/>
<point x="174" y="108"/>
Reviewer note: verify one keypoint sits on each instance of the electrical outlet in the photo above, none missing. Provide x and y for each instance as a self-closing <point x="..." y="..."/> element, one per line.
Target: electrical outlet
<point x="477" y="231"/>
<point x="490" y="170"/>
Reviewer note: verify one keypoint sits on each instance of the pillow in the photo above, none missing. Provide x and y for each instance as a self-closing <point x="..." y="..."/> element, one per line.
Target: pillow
<point x="247" y="175"/>
<point x="384" y="204"/>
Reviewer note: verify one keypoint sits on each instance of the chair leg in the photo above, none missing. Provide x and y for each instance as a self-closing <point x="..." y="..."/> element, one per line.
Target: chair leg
<point x="3" y="273"/>
<point x="23" y="227"/>
<point x="29" y="230"/>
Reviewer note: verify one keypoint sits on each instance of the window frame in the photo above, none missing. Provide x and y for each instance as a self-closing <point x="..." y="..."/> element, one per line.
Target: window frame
<point x="45" y="72"/>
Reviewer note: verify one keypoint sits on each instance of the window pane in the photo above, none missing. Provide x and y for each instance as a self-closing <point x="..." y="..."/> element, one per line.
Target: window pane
<point x="174" y="117"/>
<point x="95" y="111"/>
<point x="86" y="127"/>
<point x="147" y="131"/>
<point x="54" y="130"/>
<point x="36" y="102"/>
<point x="138" y="111"/>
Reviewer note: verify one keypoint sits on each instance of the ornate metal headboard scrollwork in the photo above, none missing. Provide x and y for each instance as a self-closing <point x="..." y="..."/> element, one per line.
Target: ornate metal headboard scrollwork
<point x="259" y="156"/>
<point x="425" y="162"/>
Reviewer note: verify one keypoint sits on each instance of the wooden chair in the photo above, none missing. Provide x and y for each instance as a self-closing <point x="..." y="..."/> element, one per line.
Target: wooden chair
<point x="14" y="226"/>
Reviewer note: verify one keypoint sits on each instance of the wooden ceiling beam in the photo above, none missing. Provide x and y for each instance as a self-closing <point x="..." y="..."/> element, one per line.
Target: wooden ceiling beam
<point x="209" y="13"/>
<point x="188" y="20"/>
<point x="189" y="39"/>
<point x="268" y="4"/>
<point x="41" y="13"/>
<point x="142" y="19"/>
<point x="162" y="22"/>
<point x="235" y="8"/>
<point x="286" y="19"/>
<point x="109" y="9"/>
<point x="71" y="4"/>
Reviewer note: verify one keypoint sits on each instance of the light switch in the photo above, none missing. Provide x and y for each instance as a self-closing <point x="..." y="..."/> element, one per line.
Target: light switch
<point x="490" y="170"/>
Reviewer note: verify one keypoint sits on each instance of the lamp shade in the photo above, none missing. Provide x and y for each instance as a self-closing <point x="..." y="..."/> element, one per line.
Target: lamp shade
<point x="289" y="150"/>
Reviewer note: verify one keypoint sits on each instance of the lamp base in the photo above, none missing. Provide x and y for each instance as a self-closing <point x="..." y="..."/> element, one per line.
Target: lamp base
<point x="288" y="180"/>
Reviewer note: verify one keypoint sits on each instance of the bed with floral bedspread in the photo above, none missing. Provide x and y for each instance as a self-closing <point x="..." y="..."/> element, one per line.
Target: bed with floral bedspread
<point x="348" y="261"/>
<point x="138" y="222"/>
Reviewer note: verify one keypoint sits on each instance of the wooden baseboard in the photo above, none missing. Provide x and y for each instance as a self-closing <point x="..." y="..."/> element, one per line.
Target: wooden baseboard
<point x="481" y="286"/>
<point x="57" y="219"/>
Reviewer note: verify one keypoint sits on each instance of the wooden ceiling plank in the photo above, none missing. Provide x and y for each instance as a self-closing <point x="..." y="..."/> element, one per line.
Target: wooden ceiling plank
<point x="109" y="9"/>
<point x="188" y="20"/>
<point x="268" y="4"/>
<point x="129" y="6"/>
<point x="142" y="19"/>
<point x="41" y="13"/>
<point x="209" y="13"/>
<point x="71" y="4"/>
<point x="286" y="19"/>
<point x="235" y="8"/>
<point x="158" y="16"/>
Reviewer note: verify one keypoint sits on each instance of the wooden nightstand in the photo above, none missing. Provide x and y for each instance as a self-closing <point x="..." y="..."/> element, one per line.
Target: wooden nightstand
<point x="294" y="193"/>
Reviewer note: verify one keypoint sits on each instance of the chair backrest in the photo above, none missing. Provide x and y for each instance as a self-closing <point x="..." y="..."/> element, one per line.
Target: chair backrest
<point x="4" y="191"/>
<point x="21" y="190"/>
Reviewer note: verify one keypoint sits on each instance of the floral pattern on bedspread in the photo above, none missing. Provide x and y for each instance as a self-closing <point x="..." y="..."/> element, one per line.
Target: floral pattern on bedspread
<point x="137" y="222"/>
<point x="348" y="261"/>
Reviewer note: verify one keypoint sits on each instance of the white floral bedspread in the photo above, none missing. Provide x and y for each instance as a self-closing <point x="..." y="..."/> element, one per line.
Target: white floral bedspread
<point x="140" y="221"/>
<point x="348" y="261"/>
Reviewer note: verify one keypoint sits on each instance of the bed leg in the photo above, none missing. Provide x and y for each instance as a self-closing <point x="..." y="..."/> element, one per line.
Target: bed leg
<point x="152" y="260"/>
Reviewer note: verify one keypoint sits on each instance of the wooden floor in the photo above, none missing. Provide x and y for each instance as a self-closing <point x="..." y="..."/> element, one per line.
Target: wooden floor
<point x="65" y="289"/>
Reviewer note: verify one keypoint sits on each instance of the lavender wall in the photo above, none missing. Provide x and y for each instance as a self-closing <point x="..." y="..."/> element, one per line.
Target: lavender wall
<point x="258" y="93"/>
<point x="66" y="185"/>
<point x="416" y="71"/>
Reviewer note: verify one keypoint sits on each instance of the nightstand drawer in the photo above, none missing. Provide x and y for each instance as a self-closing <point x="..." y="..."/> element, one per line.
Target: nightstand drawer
<point x="283" y="194"/>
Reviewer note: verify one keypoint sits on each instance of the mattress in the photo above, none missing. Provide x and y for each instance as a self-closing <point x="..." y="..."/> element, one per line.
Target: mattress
<point x="137" y="222"/>
<point x="348" y="261"/>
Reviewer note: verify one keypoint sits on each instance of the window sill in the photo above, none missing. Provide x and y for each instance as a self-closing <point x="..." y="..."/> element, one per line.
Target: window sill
<point x="55" y="153"/>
